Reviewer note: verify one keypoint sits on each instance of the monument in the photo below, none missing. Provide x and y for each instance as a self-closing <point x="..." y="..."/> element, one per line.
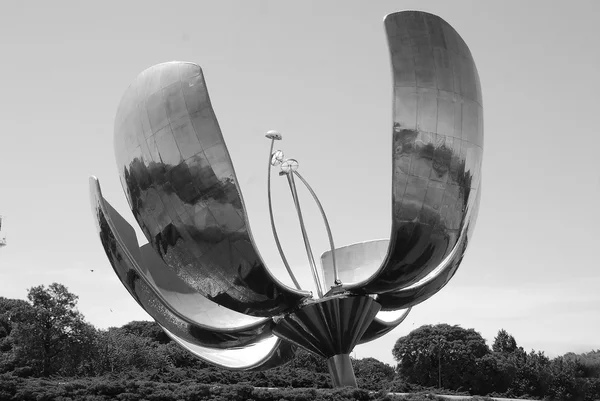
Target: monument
<point x="2" y="237"/>
<point x="201" y="276"/>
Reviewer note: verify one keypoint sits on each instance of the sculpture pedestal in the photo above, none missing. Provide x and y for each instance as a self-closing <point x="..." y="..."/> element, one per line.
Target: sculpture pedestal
<point x="341" y="371"/>
<point x="330" y="328"/>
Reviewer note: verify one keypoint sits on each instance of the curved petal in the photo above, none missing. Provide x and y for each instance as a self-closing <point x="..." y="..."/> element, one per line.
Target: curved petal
<point x="356" y="262"/>
<point x="266" y="354"/>
<point x="185" y="300"/>
<point x="436" y="280"/>
<point x="383" y="323"/>
<point x="437" y="147"/>
<point x="120" y="244"/>
<point x="181" y="186"/>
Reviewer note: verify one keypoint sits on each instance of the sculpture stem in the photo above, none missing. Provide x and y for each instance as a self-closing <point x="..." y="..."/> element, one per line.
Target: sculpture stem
<point x="340" y="369"/>
<point x="285" y="262"/>
<point x="311" y="258"/>
<point x="336" y="279"/>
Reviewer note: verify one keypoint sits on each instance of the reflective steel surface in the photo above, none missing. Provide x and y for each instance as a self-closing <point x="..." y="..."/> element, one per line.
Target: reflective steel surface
<point x="309" y="253"/>
<point x="201" y="277"/>
<point x="437" y="279"/>
<point x="356" y="262"/>
<point x="329" y="326"/>
<point x="289" y="168"/>
<point x="383" y="323"/>
<point x="266" y="354"/>
<point x="334" y="268"/>
<point x="437" y="148"/>
<point x="275" y="158"/>
<point x="250" y="347"/>
<point x="215" y="325"/>
<point x="181" y="186"/>
<point x="341" y="371"/>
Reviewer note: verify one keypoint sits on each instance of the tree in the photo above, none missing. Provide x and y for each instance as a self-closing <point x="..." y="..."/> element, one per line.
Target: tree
<point x="563" y="383"/>
<point x="55" y="338"/>
<point x="119" y="350"/>
<point x="307" y="360"/>
<point x="497" y="371"/>
<point x="532" y="377"/>
<point x="504" y="343"/>
<point x="150" y="330"/>
<point x="372" y="374"/>
<point x="12" y="312"/>
<point x="445" y="353"/>
<point x="589" y="362"/>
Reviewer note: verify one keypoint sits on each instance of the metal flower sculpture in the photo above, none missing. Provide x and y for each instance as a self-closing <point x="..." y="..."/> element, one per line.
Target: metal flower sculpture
<point x="201" y="276"/>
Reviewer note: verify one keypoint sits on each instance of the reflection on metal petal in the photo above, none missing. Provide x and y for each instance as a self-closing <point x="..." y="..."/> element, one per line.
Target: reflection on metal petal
<point x="186" y="300"/>
<point x="120" y="245"/>
<point x="181" y="186"/>
<point x="384" y="322"/>
<point x="437" y="148"/>
<point x="356" y="262"/>
<point x="266" y="354"/>
<point x="416" y="294"/>
<point x="423" y="290"/>
<point x="201" y="259"/>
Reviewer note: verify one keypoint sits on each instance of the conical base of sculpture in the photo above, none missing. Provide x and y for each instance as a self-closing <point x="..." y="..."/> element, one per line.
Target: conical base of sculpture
<point x="330" y="328"/>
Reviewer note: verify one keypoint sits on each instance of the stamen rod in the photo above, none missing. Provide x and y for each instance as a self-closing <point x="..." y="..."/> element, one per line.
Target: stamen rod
<point x="311" y="258"/>
<point x="327" y="227"/>
<point x="283" y="258"/>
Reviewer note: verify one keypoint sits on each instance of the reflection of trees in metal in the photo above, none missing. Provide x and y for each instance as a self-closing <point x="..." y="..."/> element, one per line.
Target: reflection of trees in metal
<point x="437" y="148"/>
<point x="154" y="178"/>
<point x="170" y="189"/>
<point x="165" y="313"/>
<point x="202" y="273"/>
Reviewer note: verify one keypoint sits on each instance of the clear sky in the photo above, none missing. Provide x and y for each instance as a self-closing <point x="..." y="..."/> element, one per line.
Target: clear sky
<point x="317" y="71"/>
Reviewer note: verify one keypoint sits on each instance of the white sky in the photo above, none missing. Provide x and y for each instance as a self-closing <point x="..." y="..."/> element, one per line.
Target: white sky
<point x="317" y="71"/>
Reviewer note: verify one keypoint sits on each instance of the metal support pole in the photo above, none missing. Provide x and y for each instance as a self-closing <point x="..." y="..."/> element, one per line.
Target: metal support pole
<point x="311" y="258"/>
<point x="340" y="369"/>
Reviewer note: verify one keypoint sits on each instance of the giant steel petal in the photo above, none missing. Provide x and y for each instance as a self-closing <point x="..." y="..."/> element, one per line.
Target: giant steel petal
<point x="383" y="323"/>
<point x="358" y="260"/>
<point x="188" y="302"/>
<point x="266" y="354"/>
<point x="355" y="262"/>
<point x="120" y="244"/>
<point x="416" y="294"/>
<point x="434" y="282"/>
<point x="436" y="149"/>
<point x="180" y="183"/>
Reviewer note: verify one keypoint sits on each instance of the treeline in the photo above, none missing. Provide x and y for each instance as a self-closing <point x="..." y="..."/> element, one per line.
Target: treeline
<point x="459" y="359"/>
<point x="48" y="351"/>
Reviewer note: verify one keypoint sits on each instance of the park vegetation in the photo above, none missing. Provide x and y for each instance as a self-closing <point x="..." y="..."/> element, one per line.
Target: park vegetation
<point x="49" y="352"/>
